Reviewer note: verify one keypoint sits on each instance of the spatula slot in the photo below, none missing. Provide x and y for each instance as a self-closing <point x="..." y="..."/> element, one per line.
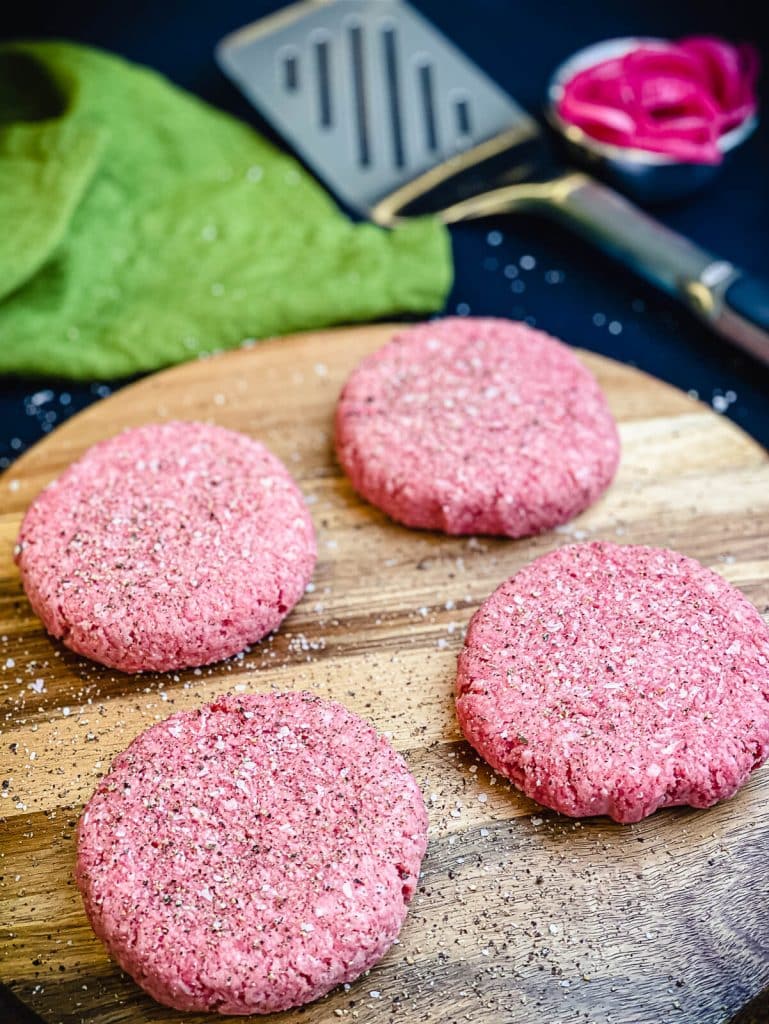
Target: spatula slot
<point x="427" y="95"/>
<point x="462" y="112"/>
<point x="290" y="70"/>
<point x="322" y="51"/>
<point x="357" y="64"/>
<point x="392" y="79"/>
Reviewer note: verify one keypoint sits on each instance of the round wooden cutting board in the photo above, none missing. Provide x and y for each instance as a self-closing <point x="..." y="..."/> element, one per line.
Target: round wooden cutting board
<point x="522" y="915"/>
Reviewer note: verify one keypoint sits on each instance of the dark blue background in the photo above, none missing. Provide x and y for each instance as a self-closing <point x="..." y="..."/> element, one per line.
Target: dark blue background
<point x="572" y="290"/>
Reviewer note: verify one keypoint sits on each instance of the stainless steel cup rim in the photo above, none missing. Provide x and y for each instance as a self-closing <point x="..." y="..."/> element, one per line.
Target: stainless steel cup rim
<point x="605" y="50"/>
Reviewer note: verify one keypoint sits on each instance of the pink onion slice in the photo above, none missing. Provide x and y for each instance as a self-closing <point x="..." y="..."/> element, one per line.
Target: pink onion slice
<point x="671" y="98"/>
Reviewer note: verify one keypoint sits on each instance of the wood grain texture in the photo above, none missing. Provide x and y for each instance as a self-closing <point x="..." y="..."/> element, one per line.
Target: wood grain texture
<point x="522" y="916"/>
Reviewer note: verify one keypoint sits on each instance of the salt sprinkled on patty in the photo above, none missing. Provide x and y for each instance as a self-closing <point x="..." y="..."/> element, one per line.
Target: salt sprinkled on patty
<point x="250" y="856"/>
<point x="616" y="680"/>
<point x="167" y="546"/>
<point x="476" y="426"/>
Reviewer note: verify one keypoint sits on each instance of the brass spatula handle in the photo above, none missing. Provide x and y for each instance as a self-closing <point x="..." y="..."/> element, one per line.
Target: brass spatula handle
<point x="728" y="300"/>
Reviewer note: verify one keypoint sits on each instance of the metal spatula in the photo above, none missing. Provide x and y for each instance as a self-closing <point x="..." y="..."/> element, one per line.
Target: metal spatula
<point x="398" y="122"/>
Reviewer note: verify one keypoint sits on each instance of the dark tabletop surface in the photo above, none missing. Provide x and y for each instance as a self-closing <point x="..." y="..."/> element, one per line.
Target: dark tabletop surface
<point x="510" y="267"/>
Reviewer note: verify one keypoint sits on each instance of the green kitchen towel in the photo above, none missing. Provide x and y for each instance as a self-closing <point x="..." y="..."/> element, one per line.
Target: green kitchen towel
<point x="140" y="227"/>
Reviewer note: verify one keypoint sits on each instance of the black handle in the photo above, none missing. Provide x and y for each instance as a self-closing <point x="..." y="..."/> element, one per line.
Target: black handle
<point x="742" y="313"/>
<point x="749" y="298"/>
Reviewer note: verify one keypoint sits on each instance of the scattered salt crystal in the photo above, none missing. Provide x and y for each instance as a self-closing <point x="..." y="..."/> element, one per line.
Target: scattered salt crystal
<point x="536" y="822"/>
<point x="41" y="397"/>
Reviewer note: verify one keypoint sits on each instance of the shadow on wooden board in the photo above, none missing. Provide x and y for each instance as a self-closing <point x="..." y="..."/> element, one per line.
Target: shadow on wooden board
<point x="754" y="1012"/>
<point x="12" y="1011"/>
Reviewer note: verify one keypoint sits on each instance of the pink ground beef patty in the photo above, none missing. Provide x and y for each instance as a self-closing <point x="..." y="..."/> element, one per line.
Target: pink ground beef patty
<point x="167" y="546"/>
<point x="476" y="426"/>
<point x="616" y="680"/>
<point x="250" y="856"/>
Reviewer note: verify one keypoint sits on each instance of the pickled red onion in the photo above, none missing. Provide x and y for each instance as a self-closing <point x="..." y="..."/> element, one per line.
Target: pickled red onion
<point x="677" y="99"/>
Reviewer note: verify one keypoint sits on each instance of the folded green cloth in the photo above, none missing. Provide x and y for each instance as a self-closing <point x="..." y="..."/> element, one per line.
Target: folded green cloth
<point x="141" y="227"/>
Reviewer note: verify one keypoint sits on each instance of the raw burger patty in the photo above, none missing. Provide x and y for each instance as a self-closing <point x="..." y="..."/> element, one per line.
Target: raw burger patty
<point x="250" y="856"/>
<point x="167" y="546"/>
<point x="616" y="680"/>
<point x="476" y="426"/>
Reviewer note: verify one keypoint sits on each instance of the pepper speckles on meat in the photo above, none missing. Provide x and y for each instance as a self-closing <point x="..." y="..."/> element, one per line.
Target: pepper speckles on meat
<point x="615" y="680"/>
<point x="250" y="856"/>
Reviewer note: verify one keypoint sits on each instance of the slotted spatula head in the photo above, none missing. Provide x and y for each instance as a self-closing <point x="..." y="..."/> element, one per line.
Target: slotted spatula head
<point x="371" y="96"/>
